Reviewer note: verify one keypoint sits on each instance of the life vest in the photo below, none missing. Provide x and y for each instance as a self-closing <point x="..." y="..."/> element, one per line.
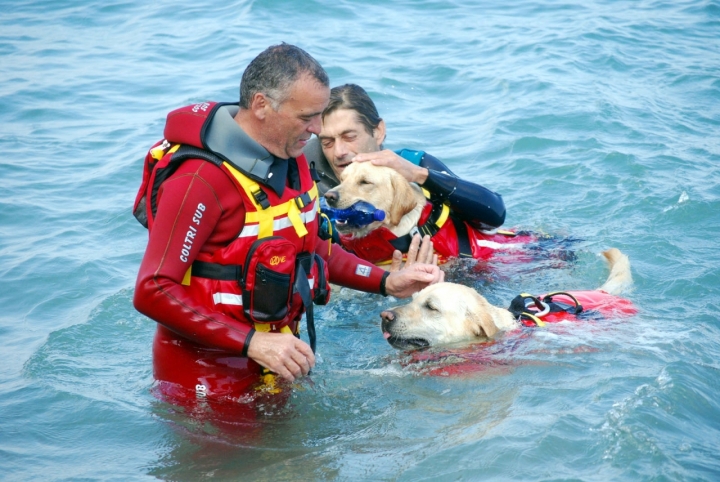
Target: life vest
<point x="454" y="239"/>
<point x="267" y="277"/>
<point x="569" y="305"/>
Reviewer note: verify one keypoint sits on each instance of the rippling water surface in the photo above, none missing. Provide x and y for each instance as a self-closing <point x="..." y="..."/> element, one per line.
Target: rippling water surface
<point x="596" y="120"/>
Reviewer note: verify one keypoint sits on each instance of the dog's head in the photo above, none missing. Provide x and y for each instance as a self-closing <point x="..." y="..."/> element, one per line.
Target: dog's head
<point x="380" y="186"/>
<point x="443" y="313"/>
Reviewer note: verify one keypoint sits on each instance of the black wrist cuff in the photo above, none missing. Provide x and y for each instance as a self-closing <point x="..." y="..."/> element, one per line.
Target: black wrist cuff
<point x="247" y="342"/>
<point x="382" y="283"/>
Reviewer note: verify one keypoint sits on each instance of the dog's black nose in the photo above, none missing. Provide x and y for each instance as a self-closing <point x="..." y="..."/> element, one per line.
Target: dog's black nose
<point x="331" y="197"/>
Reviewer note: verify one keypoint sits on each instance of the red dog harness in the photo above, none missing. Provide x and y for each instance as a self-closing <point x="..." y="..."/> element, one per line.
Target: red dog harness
<point x="450" y="239"/>
<point x="569" y="305"/>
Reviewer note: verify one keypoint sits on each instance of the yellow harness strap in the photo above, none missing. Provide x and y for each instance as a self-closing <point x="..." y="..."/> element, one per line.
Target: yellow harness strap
<point x="265" y="217"/>
<point x="537" y="320"/>
<point x="444" y="215"/>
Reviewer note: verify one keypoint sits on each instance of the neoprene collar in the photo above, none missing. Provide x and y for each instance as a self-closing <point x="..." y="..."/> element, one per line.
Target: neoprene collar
<point x="222" y="136"/>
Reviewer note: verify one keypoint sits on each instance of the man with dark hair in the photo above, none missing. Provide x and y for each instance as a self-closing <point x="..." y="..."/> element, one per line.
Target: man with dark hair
<point x="353" y="131"/>
<point x="233" y="258"/>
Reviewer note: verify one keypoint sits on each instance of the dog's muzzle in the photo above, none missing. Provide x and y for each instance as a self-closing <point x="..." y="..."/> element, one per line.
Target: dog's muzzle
<point x="388" y="320"/>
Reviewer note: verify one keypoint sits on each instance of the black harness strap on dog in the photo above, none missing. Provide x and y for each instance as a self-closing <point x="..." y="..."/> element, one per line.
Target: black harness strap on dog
<point x="557" y="306"/>
<point x="518" y="307"/>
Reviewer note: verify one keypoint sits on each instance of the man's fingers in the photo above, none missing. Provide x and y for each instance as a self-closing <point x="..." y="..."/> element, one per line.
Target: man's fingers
<point x="412" y="256"/>
<point x="304" y="357"/>
<point x="282" y="353"/>
<point x="426" y="250"/>
<point x="396" y="261"/>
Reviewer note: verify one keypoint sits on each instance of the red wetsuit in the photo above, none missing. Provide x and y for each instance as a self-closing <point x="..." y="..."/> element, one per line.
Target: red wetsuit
<point x="195" y="343"/>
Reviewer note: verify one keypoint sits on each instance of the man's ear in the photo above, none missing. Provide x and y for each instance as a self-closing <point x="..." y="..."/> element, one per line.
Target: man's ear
<point x="259" y="105"/>
<point x="379" y="133"/>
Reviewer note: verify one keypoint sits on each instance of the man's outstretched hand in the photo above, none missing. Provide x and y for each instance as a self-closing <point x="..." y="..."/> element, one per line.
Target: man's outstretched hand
<point x="420" y="251"/>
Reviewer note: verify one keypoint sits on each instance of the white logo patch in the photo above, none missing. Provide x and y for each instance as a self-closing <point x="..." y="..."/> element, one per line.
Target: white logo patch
<point x="362" y="270"/>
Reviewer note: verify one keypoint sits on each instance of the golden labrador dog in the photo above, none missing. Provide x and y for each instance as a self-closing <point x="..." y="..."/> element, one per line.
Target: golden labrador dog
<point x="385" y="189"/>
<point x="408" y="211"/>
<point x="447" y="312"/>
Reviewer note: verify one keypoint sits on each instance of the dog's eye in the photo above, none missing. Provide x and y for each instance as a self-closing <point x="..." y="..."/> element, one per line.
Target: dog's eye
<point x="364" y="182"/>
<point x="430" y="306"/>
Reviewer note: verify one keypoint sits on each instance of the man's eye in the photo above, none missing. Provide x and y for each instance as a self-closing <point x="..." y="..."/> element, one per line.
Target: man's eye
<point x="326" y="144"/>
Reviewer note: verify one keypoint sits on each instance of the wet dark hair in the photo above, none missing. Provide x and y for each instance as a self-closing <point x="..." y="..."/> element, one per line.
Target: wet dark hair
<point x="274" y="70"/>
<point x="354" y="97"/>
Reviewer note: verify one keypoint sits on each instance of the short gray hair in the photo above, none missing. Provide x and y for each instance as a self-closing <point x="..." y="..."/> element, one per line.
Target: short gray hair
<point x="274" y="71"/>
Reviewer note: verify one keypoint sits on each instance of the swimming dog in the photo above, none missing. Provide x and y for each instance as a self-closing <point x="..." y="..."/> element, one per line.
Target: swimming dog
<point x="409" y="211"/>
<point x="446" y="313"/>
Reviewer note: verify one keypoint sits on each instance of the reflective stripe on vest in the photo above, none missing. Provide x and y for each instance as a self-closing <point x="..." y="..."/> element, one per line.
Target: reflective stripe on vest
<point x="220" y="298"/>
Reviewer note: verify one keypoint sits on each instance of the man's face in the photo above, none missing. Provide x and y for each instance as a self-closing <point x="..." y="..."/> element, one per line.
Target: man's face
<point x="343" y="136"/>
<point x="290" y="127"/>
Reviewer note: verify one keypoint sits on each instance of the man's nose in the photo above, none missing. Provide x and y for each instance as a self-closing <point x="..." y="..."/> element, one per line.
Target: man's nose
<point x="315" y="125"/>
<point x="341" y="149"/>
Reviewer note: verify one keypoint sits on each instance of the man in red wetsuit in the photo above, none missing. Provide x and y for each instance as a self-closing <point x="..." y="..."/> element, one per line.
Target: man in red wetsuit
<point x="239" y="163"/>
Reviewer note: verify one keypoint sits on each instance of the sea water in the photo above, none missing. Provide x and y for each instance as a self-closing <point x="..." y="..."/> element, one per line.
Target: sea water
<point x="596" y="120"/>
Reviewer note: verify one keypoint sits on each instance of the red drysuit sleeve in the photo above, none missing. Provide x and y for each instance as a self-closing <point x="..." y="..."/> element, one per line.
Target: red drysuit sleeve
<point x="159" y="294"/>
<point x="348" y="270"/>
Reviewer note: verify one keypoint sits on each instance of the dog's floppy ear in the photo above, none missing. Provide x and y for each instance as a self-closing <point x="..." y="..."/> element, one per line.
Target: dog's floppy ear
<point x="403" y="198"/>
<point x="479" y="315"/>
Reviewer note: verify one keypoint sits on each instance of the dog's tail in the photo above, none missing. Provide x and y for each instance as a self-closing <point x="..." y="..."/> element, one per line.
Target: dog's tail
<point x="620" y="277"/>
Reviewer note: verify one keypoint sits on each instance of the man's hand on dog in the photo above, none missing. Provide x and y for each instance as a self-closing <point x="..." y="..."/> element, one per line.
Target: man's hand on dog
<point x="388" y="158"/>
<point x="412" y="279"/>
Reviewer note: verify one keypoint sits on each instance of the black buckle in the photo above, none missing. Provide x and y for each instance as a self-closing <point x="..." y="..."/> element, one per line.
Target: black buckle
<point x="261" y="198"/>
<point x="303" y="200"/>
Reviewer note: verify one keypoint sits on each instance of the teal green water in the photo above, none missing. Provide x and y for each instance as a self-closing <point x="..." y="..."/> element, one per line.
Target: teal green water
<point x="596" y="120"/>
